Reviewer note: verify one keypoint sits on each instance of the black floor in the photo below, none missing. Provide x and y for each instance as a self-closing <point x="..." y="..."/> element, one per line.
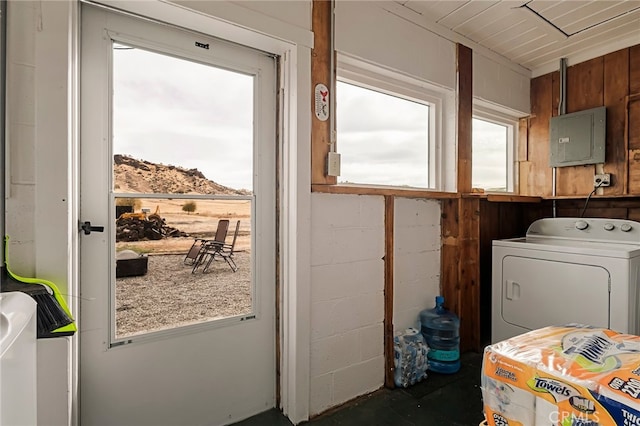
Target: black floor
<point x="439" y="400"/>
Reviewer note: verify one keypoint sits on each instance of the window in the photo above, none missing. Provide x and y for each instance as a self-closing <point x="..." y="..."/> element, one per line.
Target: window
<point x="383" y="138"/>
<point x="492" y="154"/>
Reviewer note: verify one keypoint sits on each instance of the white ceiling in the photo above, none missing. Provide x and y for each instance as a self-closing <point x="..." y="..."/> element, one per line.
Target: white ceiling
<point x="535" y="34"/>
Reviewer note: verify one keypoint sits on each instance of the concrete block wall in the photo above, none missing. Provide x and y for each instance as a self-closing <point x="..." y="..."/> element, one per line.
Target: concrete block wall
<point x="347" y="299"/>
<point x="417" y="249"/>
<point x="21" y="135"/>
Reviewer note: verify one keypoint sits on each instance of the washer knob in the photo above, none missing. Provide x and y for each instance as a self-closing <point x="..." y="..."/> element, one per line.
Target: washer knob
<point x="625" y="227"/>
<point x="581" y="225"/>
<point x="608" y="226"/>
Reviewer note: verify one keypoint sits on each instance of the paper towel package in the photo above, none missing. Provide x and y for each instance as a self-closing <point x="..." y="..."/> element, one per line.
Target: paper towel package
<point x="563" y="376"/>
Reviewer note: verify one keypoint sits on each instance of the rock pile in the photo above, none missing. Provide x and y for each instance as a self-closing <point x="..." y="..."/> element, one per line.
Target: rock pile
<point x="136" y="229"/>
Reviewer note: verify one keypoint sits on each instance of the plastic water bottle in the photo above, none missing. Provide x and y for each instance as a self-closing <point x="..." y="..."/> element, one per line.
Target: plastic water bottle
<point x="440" y="329"/>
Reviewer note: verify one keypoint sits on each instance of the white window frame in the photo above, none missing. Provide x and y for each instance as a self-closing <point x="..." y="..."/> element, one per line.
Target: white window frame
<point x="393" y="83"/>
<point x="509" y="119"/>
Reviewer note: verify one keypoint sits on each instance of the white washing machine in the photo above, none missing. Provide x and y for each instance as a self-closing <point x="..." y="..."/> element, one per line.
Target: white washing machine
<point x="567" y="270"/>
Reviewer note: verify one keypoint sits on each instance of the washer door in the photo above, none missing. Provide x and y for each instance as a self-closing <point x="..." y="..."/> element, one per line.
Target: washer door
<point x="537" y="293"/>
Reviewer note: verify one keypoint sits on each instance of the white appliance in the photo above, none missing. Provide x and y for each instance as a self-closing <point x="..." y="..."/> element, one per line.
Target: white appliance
<point x="18" y="394"/>
<point x="567" y="270"/>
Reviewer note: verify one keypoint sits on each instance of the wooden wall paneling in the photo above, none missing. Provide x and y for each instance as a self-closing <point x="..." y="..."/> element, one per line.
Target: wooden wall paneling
<point x="612" y="203"/>
<point x="585" y="90"/>
<point x="465" y="114"/>
<point x="597" y="207"/>
<point x="450" y="255"/>
<point x="632" y="130"/>
<point x="575" y="180"/>
<point x="585" y="85"/>
<point x="525" y="183"/>
<point x="532" y="212"/>
<point x="633" y="120"/>
<point x="616" y="89"/>
<point x="490" y="217"/>
<point x="469" y="274"/>
<point x="539" y="173"/>
<point x="498" y="220"/>
<point x="522" y="156"/>
<point x="634" y="214"/>
<point x="555" y="94"/>
<point x="523" y="138"/>
<point x="634" y="69"/>
<point x="634" y="171"/>
<point x="575" y="210"/>
<point x="389" y="219"/>
<point x="321" y="72"/>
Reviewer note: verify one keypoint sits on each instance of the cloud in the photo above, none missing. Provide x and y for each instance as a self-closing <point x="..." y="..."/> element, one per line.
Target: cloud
<point x="382" y="139"/>
<point x="184" y="113"/>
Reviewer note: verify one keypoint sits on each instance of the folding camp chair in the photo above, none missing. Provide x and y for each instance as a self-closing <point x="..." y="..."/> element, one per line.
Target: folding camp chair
<point x="210" y="247"/>
<point x="194" y="251"/>
<point x="226" y="252"/>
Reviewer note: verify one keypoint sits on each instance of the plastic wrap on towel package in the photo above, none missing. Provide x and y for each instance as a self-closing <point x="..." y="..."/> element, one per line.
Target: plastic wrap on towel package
<point x="567" y="376"/>
<point x="410" y="358"/>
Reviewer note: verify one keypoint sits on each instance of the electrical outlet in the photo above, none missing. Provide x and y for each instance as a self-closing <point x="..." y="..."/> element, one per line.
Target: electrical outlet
<point x="602" y="180"/>
<point x="333" y="164"/>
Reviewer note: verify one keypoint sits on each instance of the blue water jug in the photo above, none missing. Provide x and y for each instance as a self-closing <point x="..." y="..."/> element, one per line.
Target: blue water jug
<point x="441" y="331"/>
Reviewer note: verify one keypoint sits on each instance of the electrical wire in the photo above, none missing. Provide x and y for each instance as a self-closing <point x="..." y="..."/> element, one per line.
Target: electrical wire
<point x="595" y="188"/>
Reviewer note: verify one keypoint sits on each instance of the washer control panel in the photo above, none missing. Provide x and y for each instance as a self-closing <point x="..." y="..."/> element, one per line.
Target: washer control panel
<point x="591" y="229"/>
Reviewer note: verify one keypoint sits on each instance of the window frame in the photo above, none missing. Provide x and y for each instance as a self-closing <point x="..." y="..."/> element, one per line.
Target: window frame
<point x="393" y="83"/>
<point x="510" y="120"/>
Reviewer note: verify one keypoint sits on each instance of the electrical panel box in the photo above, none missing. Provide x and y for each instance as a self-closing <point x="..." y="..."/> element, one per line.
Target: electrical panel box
<point x="578" y="138"/>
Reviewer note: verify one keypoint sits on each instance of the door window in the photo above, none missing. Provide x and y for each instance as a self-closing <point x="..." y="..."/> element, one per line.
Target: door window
<point x="182" y="150"/>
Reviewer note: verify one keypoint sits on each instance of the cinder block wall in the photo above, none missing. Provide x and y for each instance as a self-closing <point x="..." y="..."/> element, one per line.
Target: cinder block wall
<point x="347" y="287"/>
<point x="347" y="299"/>
<point x="416" y="280"/>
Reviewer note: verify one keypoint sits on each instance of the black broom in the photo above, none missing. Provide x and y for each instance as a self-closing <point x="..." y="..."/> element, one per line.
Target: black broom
<point x="53" y="317"/>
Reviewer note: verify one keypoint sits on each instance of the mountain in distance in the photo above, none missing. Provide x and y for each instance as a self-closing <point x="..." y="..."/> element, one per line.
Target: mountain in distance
<point x="140" y="176"/>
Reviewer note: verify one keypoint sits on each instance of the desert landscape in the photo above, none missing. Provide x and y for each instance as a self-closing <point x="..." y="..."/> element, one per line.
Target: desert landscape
<point x="170" y="294"/>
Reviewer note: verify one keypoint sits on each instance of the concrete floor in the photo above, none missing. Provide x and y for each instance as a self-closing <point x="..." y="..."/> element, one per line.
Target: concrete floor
<point x="439" y="400"/>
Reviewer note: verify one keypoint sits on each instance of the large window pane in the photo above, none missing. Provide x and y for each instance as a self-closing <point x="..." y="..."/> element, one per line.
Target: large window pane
<point x="382" y="139"/>
<point x="176" y="112"/>
<point x="490" y="156"/>
<point x="182" y="165"/>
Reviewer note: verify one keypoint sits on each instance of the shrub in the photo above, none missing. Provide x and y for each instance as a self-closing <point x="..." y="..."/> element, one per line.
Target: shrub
<point x="189" y="207"/>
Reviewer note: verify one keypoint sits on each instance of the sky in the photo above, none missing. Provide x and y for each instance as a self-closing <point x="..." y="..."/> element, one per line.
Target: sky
<point x="489" y="155"/>
<point x="381" y="139"/>
<point x="176" y="112"/>
<point x="181" y="113"/>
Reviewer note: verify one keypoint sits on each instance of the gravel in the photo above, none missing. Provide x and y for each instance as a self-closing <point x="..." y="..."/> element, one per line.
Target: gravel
<point x="170" y="295"/>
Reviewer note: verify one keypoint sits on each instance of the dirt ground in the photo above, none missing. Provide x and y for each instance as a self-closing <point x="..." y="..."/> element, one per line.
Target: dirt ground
<point x="200" y="224"/>
<point x="170" y="295"/>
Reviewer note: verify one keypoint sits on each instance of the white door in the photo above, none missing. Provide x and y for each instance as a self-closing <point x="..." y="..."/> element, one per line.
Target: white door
<point x="178" y="133"/>
<point x="537" y="293"/>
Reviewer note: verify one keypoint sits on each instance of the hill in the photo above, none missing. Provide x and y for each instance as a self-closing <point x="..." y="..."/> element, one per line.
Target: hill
<point x="140" y="176"/>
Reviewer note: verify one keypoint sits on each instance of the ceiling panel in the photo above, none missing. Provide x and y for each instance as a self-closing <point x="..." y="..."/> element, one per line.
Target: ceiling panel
<point x="534" y="33"/>
<point x="581" y="46"/>
<point x="435" y="10"/>
<point x="492" y="19"/>
<point x="574" y="16"/>
<point x="464" y="13"/>
<point x="514" y="27"/>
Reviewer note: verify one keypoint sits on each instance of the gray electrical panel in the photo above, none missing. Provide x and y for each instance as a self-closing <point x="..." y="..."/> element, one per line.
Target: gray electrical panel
<point x="578" y="138"/>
